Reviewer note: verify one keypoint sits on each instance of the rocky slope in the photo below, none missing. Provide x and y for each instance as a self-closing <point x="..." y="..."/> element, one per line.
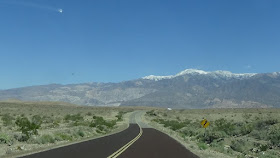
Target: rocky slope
<point x="188" y="89"/>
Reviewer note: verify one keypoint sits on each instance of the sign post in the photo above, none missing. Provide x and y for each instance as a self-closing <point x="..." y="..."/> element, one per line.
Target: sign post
<point x="205" y="124"/>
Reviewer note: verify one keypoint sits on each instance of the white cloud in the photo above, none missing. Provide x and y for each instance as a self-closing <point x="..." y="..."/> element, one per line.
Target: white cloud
<point x="248" y="66"/>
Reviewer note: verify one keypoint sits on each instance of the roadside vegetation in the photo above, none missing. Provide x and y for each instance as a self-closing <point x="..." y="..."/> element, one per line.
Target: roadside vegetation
<point x="248" y="133"/>
<point x="35" y="126"/>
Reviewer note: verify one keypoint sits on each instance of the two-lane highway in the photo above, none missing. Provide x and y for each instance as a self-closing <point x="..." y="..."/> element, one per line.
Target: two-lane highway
<point x="155" y="144"/>
<point x="134" y="142"/>
<point x="96" y="148"/>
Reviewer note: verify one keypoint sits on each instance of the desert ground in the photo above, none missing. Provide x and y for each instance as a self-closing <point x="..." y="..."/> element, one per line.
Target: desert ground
<point x="242" y="133"/>
<point x="28" y="127"/>
<point x="36" y="126"/>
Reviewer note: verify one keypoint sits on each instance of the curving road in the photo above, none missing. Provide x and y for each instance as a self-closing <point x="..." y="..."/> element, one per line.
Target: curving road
<point x="130" y="143"/>
<point x="155" y="144"/>
<point x="96" y="148"/>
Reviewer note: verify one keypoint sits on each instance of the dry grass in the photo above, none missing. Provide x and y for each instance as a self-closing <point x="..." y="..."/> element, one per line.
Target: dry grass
<point x="55" y="130"/>
<point x="197" y="144"/>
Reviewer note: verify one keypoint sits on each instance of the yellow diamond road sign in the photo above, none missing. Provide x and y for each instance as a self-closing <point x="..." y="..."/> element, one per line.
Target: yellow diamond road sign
<point x="205" y="123"/>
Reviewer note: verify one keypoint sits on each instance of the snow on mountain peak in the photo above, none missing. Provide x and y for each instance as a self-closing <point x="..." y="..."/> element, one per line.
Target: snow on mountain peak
<point x="157" y="78"/>
<point x="276" y="73"/>
<point x="232" y="75"/>
<point x="192" y="71"/>
<point x="215" y="74"/>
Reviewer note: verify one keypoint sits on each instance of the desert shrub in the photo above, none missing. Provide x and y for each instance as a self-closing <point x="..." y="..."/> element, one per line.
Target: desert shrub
<point x="241" y="156"/>
<point x="46" y="138"/>
<point x="224" y="125"/>
<point x="219" y="147"/>
<point x="7" y="119"/>
<point x="100" y="123"/>
<point x="88" y="113"/>
<point x="62" y="136"/>
<point x="80" y="133"/>
<point x="196" y="124"/>
<point x="17" y="136"/>
<point x="99" y="131"/>
<point x="97" y="121"/>
<point x="263" y="124"/>
<point x="271" y="121"/>
<point x="211" y="136"/>
<point x="246" y="116"/>
<point x="263" y="147"/>
<point x="55" y="123"/>
<point x="246" y="128"/>
<point x="120" y="116"/>
<point x="260" y="124"/>
<point x="110" y="124"/>
<point x="80" y="123"/>
<point x="77" y="120"/>
<point x="37" y="119"/>
<point x="172" y="124"/>
<point x="47" y="119"/>
<point x="5" y="139"/>
<point x="74" y="117"/>
<point x="189" y="132"/>
<point x="274" y="135"/>
<point x="269" y="154"/>
<point x="151" y="113"/>
<point x="27" y="128"/>
<point x="259" y="134"/>
<point x="238" y="145"/>
<point x="202" y="146"/>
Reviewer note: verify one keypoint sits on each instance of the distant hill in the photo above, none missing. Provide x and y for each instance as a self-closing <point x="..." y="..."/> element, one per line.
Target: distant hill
<point x="188" y="89"/>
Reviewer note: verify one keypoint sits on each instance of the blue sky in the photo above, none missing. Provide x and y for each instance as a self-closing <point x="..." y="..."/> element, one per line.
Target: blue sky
<point x="117" y="40"/>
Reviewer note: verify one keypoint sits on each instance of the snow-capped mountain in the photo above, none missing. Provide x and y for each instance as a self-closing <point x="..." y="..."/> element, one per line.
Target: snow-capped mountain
<point x="190" y="88"/>
<point x="215" y="74"/>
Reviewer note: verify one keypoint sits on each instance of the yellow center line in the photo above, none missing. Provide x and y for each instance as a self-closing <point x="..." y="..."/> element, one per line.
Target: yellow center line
<point x="122" y="149"/>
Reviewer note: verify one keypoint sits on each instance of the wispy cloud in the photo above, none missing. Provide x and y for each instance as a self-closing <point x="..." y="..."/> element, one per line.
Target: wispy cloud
<point x="248" y="66"/>
<point x="33" y="5"/>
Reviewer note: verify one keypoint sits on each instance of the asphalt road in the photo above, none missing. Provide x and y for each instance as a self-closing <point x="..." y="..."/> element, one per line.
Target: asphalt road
<point x="96" y="148"/>
<point x="155" y="144"/>
<point x="130" y="143"/>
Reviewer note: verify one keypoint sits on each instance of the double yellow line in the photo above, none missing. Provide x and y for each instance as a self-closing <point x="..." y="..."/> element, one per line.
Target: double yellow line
<point x="122" y="149"/>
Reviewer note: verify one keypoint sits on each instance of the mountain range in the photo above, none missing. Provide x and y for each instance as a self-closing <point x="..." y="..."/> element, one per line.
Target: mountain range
<point x="190" y="88"/>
